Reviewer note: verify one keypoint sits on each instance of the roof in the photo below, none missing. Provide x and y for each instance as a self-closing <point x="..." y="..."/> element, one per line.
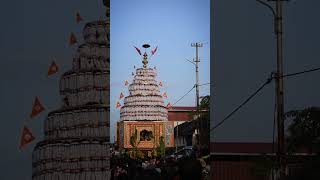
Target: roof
<point x="182" y="108"/>
<point x="250" y="148"/>
<point x="180" y="113"/>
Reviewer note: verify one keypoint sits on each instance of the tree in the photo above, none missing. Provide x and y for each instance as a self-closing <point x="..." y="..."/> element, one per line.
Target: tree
<point x="134" y="143"/>
<point x="304" y="131"/>
<point x="205" y="103"/>
<point x="162" y="147"/>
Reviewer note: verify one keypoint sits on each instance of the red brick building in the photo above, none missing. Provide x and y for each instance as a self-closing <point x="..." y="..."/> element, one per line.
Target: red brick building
<point x="251" y="161"/>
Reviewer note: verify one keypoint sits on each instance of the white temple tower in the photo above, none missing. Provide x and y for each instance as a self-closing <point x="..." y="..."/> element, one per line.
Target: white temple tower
<point x="76" y="140"/>
<point x="144" y="111"/>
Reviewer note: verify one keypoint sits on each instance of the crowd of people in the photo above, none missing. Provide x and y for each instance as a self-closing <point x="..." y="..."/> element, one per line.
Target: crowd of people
<point x="185" y="168"/>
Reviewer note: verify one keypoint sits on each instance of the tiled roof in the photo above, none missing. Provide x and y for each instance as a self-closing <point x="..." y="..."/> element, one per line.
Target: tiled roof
<point x="183" y="108"/>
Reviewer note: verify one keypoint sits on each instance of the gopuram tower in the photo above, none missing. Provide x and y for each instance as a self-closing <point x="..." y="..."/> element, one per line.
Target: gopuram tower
<point x="144" y="111"/>
<point x="76" y="139"/>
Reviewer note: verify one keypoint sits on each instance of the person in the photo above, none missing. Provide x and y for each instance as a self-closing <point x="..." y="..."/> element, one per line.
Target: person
<point x="190" y="168"/>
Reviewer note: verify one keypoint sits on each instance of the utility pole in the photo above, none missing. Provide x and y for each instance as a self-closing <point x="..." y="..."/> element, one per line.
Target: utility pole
<point x="281" y="152"/>
<point x="197" y="45"/>
<point x="280" y="91"/>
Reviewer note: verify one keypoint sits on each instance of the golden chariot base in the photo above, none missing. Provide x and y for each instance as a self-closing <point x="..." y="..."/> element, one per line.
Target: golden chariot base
<point x="148" y="134"/>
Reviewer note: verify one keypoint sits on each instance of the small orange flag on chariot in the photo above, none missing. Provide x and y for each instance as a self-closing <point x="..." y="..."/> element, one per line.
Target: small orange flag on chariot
<point x="72" y="40"/>
<point x="138" y="50"/>
<point x="37" y="108"/>
<point x="169" y="106"/>
<point x="165" y="95"/>
<point x="121" y="95"/>
<point x="126" y="83"/>
<point x="118" y="105"/>
<point x="53" y="68"/>
<point x="154" y="51"/>
<point x="26" y="137"/>
<point x="79" y="18"/>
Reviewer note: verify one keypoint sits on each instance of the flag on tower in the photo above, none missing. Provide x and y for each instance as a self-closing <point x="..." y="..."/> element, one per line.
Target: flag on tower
<point x="118" y="105"/>
<point x="53" y="68"/>
<point x="132" y="74"/>
<point x="160" y="84"/>
<point x="121" y="95"/>
<point x="169" y="106"/>
<point x="134" y="67"/>
<point x="72" y="39"/>
<point x="26" y="137"/>
<point x="37" y="108"/>
<point x="138" y="50"/>
<point x="165" y="95"/>
<point x="79" y="18"/>
<point x="154" y="51"/>
<point x="126" y="83"/>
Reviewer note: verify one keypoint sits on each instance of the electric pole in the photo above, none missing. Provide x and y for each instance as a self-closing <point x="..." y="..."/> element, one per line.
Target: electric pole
<point x="197" y="45"/>
<point x="281" y="152"/>
<point x="280" y="99"/>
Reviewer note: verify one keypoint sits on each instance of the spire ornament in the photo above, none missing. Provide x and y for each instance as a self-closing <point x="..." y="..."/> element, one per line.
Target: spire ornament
<point x="145" y="55"/>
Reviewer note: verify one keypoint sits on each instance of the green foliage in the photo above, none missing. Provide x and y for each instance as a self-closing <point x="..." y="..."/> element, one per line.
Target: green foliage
<point x="304" y="131"/>
<point x="134" y="139"/>
<point x="205" y="103"/>
<point x="162" y="147"/>
<point x="135" y="153"/>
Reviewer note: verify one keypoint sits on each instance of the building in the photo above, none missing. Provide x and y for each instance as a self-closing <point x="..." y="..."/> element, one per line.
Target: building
<point x="180" y="115"/>
<point x="252" y="161"/>
<point x="144" y="110"/>
<point x="76" y="139"/>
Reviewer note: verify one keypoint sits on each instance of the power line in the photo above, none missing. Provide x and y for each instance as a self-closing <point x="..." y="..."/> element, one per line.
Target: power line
<point x="301" y="72"/>
<point x="203" y="84"/>
<point x="261" y="87"/>
<point x="268" y="81"/>
<point x="183" y="95"/>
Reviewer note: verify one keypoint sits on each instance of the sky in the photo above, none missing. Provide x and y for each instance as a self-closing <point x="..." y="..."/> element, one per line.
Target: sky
<point x="244" y="55"/>
<point x="172" y="25"/>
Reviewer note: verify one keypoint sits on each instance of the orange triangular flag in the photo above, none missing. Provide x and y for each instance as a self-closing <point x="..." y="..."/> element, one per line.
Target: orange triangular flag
<point x="37" y="108"/>
<point x="169" y="106"/>
<point x="53" y="68"/>
<point x="72" y="39"/>
<point x="79" y="18"/>
<point x="121" y="95"/>
<point x="160" y="84"/>
<point x="165" y="95"/>
<point x="118" y="105"/>
<point x="26" y="137"/>
<point x="126" y="83"/>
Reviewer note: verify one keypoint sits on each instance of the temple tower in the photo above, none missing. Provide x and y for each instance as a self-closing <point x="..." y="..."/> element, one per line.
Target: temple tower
<point x="144" y="110"/>
<point x="76" y="139"/>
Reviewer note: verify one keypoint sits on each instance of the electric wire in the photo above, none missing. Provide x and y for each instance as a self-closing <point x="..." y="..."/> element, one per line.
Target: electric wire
<point x="301" y="72"/>
<point x="260" y="88"/>
<point x="184" y="95"/>
<point x="269" y="80"/>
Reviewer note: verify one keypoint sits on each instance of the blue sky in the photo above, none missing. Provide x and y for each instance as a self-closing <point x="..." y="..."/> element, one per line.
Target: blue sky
<point x="172" y="25"/>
